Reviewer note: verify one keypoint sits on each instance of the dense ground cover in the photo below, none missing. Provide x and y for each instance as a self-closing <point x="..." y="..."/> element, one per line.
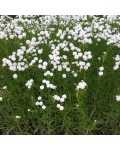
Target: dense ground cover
<point x="60" y="75"/>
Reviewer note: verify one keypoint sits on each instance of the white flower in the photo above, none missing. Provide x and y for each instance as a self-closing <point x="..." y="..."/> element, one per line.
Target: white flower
<point x="117" y="97"/>
<point x="85" y="57"/>
<point x="85" y="68"/>
<point x="34" y="39"/>
<point x="64" y="96"/>
<point x="76" y="56"/>
<point x="5" y="87"/>
<point x="100" y="73"/>
<point x="18" y="117"/>
<point x="51" y="74"/>
<point x="15" y="76"/>
<point x="1" y="98"/>
<point x="101" y="68"/>
<point x="27" y="42"/>
<point x="61" y="108"/>
<point x="57" y="98"/>
<point x="59" y="68"/>
<point x="67" y="69"/>
<point x="11" y="36"/>
<point x="45" y="63"/>
<point x="43" y="107"/>
<point x="62" y="99"/>
<point x="20" y="37"/>
<point x="37" y="103"/>
<point x="41" y="103"/>
<point x="39" y="98"/>
<point x="40" y="51"/>
<point x="64" y="75"/>
<point x="24" y="34"/>
<point x="75" y="75"/>
<point x="58" y="105"/>
<point x="89" y="56"/>
<point x="42" y="87"/>
<point x="88" y="64"/>
<point x="43" y="81"/>
<point x="116" y="67"/>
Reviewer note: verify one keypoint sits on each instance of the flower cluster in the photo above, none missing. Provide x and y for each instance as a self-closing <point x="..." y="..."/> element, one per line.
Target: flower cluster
<point x="81" y="85"/>
<point x="101" y="69"/>
<point x="61" y="100"/>
<point x="57" y="49"/>
<point x="29" y="83"/>
<point x="117" y="63"/>
<point x="40" y="103"/>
